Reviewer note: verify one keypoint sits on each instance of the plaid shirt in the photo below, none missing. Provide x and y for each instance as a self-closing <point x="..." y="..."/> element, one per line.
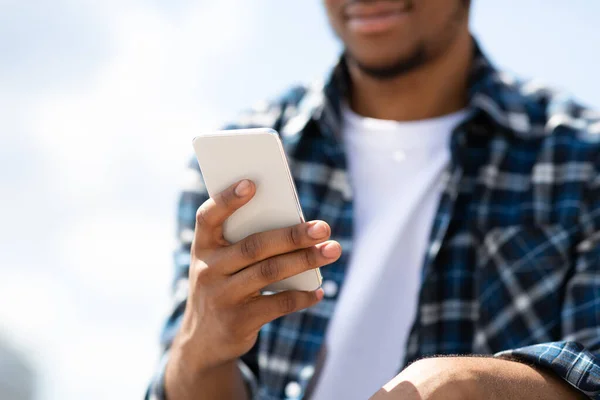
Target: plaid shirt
<point x="513" y="263"/>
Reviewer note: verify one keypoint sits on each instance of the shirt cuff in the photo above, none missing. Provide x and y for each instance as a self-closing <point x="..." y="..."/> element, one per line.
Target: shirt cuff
<point x="569" y="360"/>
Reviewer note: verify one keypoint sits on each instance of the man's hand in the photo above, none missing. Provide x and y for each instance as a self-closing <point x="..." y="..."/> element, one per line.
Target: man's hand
<point x="225" y="309"/>
<point x="470" y="378"/>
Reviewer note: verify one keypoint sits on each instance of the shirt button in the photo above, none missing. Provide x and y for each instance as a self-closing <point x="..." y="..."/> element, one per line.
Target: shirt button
<point x="330" y="288"/>
<point x="293" y="390"/>
<point x="307" y="372"/>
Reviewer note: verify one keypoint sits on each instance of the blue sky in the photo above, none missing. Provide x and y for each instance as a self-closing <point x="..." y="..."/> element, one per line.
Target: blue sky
<point x="98" y="106"/>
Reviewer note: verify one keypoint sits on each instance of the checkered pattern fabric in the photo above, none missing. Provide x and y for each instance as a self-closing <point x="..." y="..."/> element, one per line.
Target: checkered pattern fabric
<point x="513" y="264"/>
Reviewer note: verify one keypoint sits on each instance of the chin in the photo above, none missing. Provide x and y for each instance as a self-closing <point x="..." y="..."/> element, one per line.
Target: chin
<point x="382" y="65"/>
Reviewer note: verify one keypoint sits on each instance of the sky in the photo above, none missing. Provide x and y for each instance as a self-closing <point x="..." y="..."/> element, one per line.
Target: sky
<point x="98" y="106"/>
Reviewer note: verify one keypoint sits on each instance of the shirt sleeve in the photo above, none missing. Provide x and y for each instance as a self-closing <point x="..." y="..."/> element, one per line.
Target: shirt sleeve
<point x="576" y="358"/>
<point x="193" y="194"/>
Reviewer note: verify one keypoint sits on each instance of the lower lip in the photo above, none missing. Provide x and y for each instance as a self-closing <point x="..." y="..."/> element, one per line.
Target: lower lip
<point x="375" y="24"/>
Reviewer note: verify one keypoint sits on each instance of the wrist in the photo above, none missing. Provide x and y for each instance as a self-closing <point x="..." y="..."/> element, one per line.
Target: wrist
<point x="185" y="378"/>
<point x="178" y="377"/>
<point x="192" y="356"/>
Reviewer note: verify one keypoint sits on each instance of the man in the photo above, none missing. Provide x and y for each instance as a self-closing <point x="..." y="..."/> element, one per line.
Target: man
<point x="467" y="205"/>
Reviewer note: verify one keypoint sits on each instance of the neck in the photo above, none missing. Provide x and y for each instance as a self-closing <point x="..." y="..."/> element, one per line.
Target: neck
<point x="436" y="88"/>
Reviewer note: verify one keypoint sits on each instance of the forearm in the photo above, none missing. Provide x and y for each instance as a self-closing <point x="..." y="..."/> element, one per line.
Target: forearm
<point x="500" y="379"/>
<point x="220" y="383"/>
<point x="474" y="378"/>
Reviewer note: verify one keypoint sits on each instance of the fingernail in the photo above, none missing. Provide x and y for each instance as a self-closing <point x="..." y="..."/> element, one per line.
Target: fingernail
<point x="243" y="188"/>
<point x="317" y="230"/>
<point x="319" y="293"/>
<point x="331" y="250"/>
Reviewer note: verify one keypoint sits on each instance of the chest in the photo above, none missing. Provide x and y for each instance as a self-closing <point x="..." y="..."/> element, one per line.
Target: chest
<point x="498" y="255"/>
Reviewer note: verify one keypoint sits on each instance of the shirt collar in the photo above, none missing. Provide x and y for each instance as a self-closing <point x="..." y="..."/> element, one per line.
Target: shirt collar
<point x="494" y="93"/>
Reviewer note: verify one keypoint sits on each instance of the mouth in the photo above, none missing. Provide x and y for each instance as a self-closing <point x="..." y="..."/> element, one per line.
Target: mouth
<point x="375" y="17"/>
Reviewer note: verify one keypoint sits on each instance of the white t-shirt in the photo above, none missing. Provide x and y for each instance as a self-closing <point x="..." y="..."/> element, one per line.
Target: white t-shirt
<point x="395" y="170"/>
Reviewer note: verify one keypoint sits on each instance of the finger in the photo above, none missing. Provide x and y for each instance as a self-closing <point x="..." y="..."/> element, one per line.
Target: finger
<point x="266" y="308"/>
<point x="254" y="278"/>
<point x="214" y="211"/>
<point x="261" y="246"/>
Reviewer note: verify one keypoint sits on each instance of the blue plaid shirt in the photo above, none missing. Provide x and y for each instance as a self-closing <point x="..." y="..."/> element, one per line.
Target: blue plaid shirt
<point x="513" y="263"/>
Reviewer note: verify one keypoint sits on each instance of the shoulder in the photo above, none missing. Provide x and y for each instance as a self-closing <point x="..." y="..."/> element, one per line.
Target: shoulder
<point x="569" y="126"/>
<point x="272" y="113"/>
<point x="550" y="119"/>
<point x="537" y="109"/>
<point x="564" y="132"/>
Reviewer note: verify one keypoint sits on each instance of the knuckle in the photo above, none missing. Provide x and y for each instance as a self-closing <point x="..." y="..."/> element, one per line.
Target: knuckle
<point x="251" y="247"/>
<point x="287" y="303"/>
<point x="308" y="258"/>
<point x="269" y="270"/>
<point x="294" y="236"/>
<point x="202" y="274"/>
<point x="201" y="216"/>
<point x="226" y="198"/>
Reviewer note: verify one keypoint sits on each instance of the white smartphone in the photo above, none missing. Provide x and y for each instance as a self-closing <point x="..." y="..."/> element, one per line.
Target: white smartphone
<point x="226" y="157"/>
